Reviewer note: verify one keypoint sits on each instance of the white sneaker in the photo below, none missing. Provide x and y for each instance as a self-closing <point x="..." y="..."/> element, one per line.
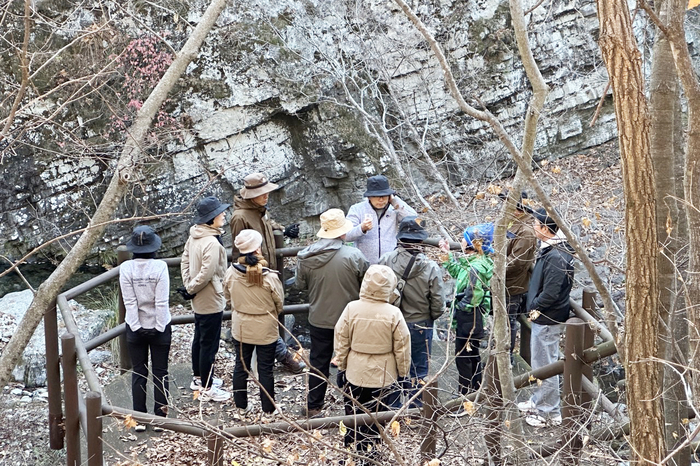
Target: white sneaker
<point x="555" y="420"/>
<point x="535" y="420"/>
<point x="214" y="394"/>
<point x="526" y="406"/>
<point x="197" y="383"/>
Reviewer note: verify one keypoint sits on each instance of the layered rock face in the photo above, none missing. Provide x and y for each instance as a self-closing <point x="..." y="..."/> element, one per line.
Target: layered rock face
<point x="316" y="94"/>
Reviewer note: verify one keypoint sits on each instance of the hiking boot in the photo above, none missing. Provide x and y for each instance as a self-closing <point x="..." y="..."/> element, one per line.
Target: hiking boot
<point x="292" y="365"/>
<point x="310" y="412"/>
<point x="197" y="383"/>
<point x="214" y="394"/>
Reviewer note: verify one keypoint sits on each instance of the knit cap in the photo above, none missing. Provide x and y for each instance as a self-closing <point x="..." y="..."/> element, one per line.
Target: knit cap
<point x="248" y="241"/>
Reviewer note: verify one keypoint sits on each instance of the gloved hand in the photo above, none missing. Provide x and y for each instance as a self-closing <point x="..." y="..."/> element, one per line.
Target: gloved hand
<point x="404" y="383"/>
<point x="340" y="379"/>
<point x="292" y="231"/>
<point x="185" y="295"/>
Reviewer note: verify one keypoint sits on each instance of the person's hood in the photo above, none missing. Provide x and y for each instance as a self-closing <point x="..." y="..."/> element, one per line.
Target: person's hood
<point x="378" y="284"/>
<point x="200" y="231"/>
<point x="400" y="262"/>
<point x="248" y="204"/>
<point x="241" y="270"/>
<point x="319" y="253"/>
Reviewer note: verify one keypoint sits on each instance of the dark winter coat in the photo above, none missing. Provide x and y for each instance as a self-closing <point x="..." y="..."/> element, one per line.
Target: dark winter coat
<point x="550" y="284"/>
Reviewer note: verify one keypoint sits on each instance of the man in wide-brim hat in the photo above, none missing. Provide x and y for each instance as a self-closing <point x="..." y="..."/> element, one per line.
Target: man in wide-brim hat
<point x="332" y="273"/>
<point x="251" y="214"/>
<point x="376" y="220"/>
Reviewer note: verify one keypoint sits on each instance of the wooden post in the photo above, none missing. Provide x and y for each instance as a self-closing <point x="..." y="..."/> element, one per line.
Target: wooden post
<point x="279" y="244"/>
<point x="215" y="450"/>
<point x="93" y="405"/>
<point x="493" y="404"/>
<point x="588" y="303"/>
<point x="430" y="404"/>
<point x="525" y="332"/>
<point x="571" y="406"/>
<point x="124" y="359"/>
<point x="70" y="388"/>
<point x="53" y="378"/>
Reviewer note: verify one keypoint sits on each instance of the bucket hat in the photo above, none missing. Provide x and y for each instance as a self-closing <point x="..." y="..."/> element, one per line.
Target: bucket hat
<point x="411" y="231"/>
<point x="484" y="232"/>
<point x="248" y="241"/>
<point x="256" y="184"/>
<point x="143" y="240"/>
<point x="334" y="224"/>
<point x="208" y="208"/>
<point x="543" y="217"/>
<point x="378" y="186"/>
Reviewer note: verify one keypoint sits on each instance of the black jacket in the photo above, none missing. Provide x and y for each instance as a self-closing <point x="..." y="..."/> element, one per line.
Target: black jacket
<point x="550" y="284"/>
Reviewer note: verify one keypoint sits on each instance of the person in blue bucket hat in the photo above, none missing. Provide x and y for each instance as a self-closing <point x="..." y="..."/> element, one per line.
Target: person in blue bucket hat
<point x="472" y="273"/>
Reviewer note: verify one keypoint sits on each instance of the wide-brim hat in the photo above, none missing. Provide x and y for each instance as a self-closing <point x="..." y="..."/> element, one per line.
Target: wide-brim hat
<point x="378" y="186"/>
<point x="256" y="184"/>
<point x="411" y="231"/>
<point x="334" y="224"/>
<point x="208" y="208"/>
<point x="143" y="240"/>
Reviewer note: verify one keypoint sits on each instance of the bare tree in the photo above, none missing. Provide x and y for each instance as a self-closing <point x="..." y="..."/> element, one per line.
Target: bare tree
<point x="666" y="130"/>
<point x="126" y="172"/>
<point x="623" y="61"/>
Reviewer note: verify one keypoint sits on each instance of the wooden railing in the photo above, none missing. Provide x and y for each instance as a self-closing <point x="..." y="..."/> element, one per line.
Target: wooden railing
<point x="85" y="411"/>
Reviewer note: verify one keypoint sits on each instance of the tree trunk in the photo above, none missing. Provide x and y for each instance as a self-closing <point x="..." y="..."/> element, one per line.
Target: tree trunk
<point x="128" y="162"/>
<point x="623" y="61"/>
<point x="665" y="110"/>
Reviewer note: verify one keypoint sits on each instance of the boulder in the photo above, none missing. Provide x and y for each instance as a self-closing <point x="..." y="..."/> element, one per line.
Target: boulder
<point x="31" y="369"/>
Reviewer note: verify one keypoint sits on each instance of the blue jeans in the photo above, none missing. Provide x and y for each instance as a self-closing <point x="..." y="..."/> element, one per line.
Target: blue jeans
<point x="544" y="349"/>
<point x="280" y="350"/>
<point x="421" y="345"/>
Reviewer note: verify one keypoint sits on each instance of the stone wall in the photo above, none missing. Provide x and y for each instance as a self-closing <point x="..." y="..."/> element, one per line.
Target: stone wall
<point x="268" y="92"/>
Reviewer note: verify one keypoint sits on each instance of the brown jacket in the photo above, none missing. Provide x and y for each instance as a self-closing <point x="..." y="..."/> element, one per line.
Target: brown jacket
<point x="254" y="308"/>
<point x="372" y="342"/>
<point x="522" y="246"/>
<point x="250" y="216"/>
<point x="203" y="267"/>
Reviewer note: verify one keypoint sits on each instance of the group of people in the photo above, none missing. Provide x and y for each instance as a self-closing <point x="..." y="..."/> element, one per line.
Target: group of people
<point x="373" y="299"/>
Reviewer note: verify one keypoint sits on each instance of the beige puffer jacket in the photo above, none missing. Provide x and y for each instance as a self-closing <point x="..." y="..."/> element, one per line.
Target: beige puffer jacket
<point x="254" y="308"/>
<point x="203" y="267"/>
<point x="372" y="342"/>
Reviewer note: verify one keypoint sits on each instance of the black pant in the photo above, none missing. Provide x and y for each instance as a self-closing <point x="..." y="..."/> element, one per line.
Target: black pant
<point x="205" y="345"/>
<point x="139" y="344"/>
<point x="374" y="400"/>
<point x="266" y="361"/>
<point x="467" y="358"/>
<point x="320" y="357"/>
<point x="516" y="306"/>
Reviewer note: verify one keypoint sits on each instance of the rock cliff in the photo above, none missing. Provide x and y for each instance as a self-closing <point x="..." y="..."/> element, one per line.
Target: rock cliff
<point x="316" y="94"/>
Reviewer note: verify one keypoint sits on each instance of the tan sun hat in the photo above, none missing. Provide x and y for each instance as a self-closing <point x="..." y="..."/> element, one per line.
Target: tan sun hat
<point x="256" y="184"/>
<point x="334" y="224"/>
